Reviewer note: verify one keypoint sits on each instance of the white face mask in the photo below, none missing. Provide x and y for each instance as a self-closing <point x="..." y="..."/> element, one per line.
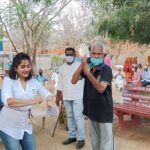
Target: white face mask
<point x="69" y="59"/>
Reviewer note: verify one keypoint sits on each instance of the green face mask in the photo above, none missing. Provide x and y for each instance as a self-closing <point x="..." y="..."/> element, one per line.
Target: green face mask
<point x="96" y="61"/>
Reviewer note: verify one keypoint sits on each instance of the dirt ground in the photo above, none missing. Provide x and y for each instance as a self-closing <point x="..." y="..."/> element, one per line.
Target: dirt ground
<point x="136" y="138"/>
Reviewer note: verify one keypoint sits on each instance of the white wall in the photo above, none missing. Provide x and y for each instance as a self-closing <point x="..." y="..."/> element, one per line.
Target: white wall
<point x="43" y="61"/>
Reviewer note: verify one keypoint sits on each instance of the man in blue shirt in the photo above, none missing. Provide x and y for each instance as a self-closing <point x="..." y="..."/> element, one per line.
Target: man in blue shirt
<point x="40" y="77"/>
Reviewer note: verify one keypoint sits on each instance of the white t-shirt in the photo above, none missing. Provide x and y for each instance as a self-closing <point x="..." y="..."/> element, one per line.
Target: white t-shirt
<point x="55" y="78"/>
<point x="70" y="91"/>
<point x="119" y="76"/>
<point x="15" y="121"/>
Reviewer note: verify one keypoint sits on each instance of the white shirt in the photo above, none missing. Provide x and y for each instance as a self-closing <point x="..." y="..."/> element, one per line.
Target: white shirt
<point x="55" y="78"/>
<point x="145" y="75"/>
<point x="70" y="91"/>
<point x="15" y="121"/>
<point x="119" y="76"/>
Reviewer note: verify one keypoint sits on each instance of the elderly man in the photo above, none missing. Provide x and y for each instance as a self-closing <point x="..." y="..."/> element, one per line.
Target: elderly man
<point x="97" y="99"/>
<point x="145" y="75"/>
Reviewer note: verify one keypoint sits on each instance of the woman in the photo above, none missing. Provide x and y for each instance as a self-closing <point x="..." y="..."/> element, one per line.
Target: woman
<point x="19" y="94"/>
<point x="136" y="76"/>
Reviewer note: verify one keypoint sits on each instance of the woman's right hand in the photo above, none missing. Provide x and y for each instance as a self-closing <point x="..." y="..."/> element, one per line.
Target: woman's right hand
<point x="37" y="100"/>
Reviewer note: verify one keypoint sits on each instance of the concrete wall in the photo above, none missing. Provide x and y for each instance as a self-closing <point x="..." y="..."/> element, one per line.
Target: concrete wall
<point x="43" y="61"/>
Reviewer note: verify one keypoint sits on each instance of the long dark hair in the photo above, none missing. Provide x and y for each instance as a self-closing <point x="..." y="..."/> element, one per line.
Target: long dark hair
<point x="16" y="62"/>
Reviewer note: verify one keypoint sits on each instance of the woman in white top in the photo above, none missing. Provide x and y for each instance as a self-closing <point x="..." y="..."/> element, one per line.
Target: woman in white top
<point x="19" y="93"/>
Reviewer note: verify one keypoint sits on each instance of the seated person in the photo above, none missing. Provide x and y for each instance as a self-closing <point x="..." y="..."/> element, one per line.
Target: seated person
<point x="119" y="79"/>
<point x="136" y="76"/>
<point x="40" y="77"/>
<point x="140" y="67"/>
<point x="145" y="76"/>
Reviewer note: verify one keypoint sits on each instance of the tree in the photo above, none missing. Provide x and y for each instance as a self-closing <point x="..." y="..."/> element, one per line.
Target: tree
<point x="102" y="9"/>
<point x="74" y="29"/>
<point x="72" y="25"/>
<point x="130" y="22"/>
<point x="32" y="20"/>
<point x="1" y="31"/>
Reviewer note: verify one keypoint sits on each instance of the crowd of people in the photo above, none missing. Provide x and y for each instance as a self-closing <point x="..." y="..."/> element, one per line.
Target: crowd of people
<point x="83" y="86"/>
<point x="140" y="76"/>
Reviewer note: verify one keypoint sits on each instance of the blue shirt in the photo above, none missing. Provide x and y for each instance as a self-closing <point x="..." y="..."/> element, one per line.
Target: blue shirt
<point x="41" y="79"/>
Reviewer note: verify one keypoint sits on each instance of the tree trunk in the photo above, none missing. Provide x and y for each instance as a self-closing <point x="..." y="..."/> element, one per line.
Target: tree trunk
<point x="119" y="51"/>
<point x="33" y="60"/>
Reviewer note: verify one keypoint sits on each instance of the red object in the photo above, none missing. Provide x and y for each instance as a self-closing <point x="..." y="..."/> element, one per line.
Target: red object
<point x="148" y="59"/>
<point x="127" y="67"/>
<point x="136" y="104"/>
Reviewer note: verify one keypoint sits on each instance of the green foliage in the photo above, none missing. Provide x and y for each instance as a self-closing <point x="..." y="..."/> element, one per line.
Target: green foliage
<point x="118" y="25"/>
<point x="32" y="16"/>
<point x="22" y="9"/>
<point x="56" y="58"/>
<point x="1" y="31"/>
<point x="101" y="10"/>
<point x="47" y="2"/>
<point x="130" y="22"/>
<point x="141" y="29"/>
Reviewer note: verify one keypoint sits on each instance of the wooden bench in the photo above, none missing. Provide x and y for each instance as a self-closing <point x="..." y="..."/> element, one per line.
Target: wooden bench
<point x="136" y="104"/>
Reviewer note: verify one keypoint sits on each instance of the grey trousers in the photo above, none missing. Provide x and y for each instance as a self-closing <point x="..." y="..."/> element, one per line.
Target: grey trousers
<point x="101" y="135"/>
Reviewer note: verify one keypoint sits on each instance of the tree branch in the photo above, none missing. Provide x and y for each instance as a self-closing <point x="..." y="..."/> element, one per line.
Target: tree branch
<point x="38" y="13"/>
<point x="7" y="32"/>
<point x="59" y="10"/>
<point x="22" y="26"/>
<point x="25" y="19"/>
